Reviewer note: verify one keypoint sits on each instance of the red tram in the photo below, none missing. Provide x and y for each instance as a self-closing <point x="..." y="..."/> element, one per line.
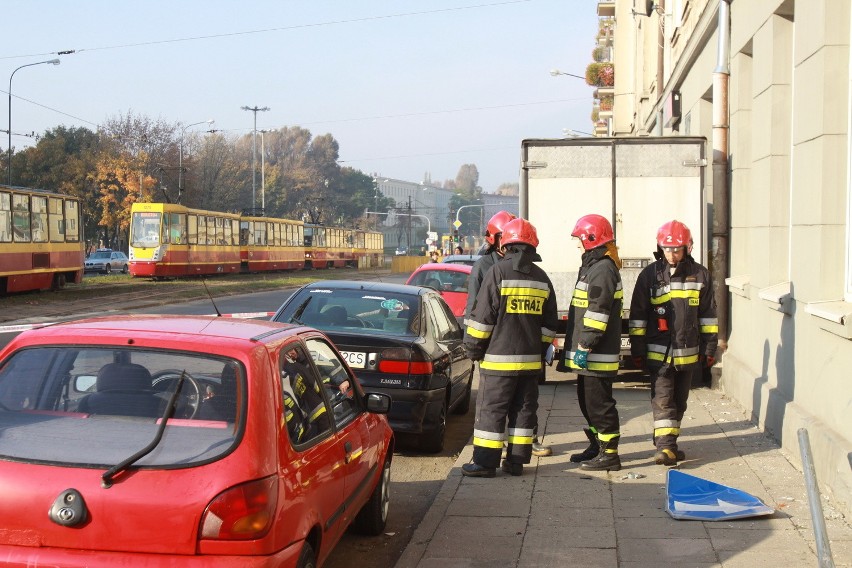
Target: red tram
<point x="169" y="240"/>
<point x="41" y="240"/>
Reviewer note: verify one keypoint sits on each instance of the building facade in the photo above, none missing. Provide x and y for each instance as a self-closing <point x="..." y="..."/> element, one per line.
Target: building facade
<point x="767" y="82"/>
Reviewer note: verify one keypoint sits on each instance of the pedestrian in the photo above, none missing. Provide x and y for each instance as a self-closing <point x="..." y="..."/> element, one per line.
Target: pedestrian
<point x="594" y="338"/>
<point x="433" y="256"/>
<point x="459" y="250"/>
<point x="491" y="256"/>
<point x="673" y="332"/>
<point x="512" y="324"/>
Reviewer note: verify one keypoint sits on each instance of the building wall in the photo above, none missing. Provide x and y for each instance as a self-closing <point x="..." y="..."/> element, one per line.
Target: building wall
<point x="789" y="348"/>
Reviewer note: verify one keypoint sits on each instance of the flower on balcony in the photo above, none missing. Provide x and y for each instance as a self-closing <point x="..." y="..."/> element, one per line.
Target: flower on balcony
<point x="600" y="74"/>
<point x="606" y="102"/>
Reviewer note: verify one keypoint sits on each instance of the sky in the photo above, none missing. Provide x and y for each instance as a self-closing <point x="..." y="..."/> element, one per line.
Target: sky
<point x="408" y="88"/>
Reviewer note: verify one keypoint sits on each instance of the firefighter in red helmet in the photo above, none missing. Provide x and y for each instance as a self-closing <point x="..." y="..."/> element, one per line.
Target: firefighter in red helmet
<point x="673" y="331"/>
<point x="512" y="324"/>
<point x="593" y="341"/>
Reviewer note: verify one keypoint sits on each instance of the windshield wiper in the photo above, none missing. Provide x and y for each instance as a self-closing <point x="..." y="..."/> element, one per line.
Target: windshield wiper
<point x="298" y="313"/>
<point x="109" y="475"/>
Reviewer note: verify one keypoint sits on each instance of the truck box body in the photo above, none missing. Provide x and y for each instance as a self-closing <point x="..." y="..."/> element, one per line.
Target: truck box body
<point x="636" y="183"/>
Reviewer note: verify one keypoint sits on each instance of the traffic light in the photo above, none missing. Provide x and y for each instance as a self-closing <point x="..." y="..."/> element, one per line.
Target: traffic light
<point x="455" y="235"/>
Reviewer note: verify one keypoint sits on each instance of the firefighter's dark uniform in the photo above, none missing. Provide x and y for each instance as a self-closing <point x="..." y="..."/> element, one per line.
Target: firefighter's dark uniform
<point x="477" y="274"/>
<point x="594" y="320"/>
<point x="512" y="323"/>
<point x="673" y="326"/>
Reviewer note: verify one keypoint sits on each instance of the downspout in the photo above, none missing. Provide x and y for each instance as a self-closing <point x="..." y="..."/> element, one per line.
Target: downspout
<point x="721" y="190"/>
<point x="661" y="42"/>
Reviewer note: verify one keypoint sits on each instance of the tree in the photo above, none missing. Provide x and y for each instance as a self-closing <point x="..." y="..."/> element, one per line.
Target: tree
<point x="467" y="181"/>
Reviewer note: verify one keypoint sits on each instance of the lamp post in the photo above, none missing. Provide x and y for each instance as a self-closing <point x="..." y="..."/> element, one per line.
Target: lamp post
<point x="263" y="173"/>
<point x="255" y="109"/>
<point x="180" y="154"/>
<point x="52" y="62"/>
<point x="556" y="72"/>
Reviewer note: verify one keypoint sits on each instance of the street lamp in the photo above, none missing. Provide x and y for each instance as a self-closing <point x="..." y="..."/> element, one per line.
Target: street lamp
<point x="556" y="72"/>
<point x="255" y="109"/>
<point x="263" y="173"/>
<point x="52" y="62"/>
<point x="180" y="154"/>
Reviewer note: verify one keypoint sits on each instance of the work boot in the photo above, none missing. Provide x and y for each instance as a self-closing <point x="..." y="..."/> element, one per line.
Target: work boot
<point x="591" y="451"/>
<point x="540" y="450"/>
<point x="667" y="456"/>
<point x="511" y="468"/>
<point x="476" y="470"/>
<point x="607" y="459"/>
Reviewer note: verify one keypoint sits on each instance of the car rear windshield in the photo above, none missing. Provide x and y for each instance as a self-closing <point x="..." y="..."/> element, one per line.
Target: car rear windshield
<point x="355" y="310"/>
<point x="89" y="406"/>
<point x="446" y="280"/>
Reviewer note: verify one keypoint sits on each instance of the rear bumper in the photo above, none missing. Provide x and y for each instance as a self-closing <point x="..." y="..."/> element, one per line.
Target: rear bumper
<point x="22" y="556"/>
<point x="413" y="411"/>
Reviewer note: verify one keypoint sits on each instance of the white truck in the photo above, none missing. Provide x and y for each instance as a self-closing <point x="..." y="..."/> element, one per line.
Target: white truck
<point x="636" y="183"/>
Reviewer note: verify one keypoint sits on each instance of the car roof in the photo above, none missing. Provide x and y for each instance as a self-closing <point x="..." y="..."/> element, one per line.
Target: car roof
<point x="366" y="285"/>
<point x="461" y="257"/>
<point x="448" y="267"/>
<point x="127" y="329"/>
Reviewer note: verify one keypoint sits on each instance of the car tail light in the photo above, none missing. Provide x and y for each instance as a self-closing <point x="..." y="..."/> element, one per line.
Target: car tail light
<point x="243" y="512"/>
<point x="404" y="361"/>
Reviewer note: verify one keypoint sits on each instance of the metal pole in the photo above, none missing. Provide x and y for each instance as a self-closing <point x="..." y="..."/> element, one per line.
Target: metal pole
<point x="823" y="548"/>
<point x="255" y="110"/>
<point x="52" y="62"/>
<point x="262" y="176"/>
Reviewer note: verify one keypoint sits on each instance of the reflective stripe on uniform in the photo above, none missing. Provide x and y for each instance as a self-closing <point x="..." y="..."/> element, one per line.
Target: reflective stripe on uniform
<point x="596" y="361"/>
<point x="637" y="327"/>
<point x="479" y="330"/>
<point x="520" y="436"/>
<point x="485" y="439"/>
<point x="547" y="335"/>
<point x="708" y="325"/>
<point x="511" y="362"/>
<point x="595" y="320"/>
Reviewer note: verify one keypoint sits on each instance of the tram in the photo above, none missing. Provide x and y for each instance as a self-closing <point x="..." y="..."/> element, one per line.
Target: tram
<point x="41" y="240"/>
<point x="169" y="240"/>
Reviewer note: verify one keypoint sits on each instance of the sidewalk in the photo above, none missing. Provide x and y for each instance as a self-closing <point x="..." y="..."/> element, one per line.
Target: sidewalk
<point x="558" y="515"/>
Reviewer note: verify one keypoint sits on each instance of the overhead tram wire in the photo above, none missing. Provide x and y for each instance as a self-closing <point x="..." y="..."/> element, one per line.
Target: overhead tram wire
<point x="278" y="29"/>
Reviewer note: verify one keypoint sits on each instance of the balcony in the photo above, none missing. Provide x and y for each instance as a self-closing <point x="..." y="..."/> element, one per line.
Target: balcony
<point x="606" y="8"/>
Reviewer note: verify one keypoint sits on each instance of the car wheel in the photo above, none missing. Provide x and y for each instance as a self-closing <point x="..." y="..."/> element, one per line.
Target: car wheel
<point x="124" y="269"/>
<point x="463" y="406"/>
<point x="307" y="558"/>
<point x="108" y="269"/>
<point x="373" y="516"/>
<point x="433" y="442"/>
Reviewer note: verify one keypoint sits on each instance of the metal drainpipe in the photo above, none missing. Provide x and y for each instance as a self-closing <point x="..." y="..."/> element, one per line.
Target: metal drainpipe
<point x="721" y="189"/>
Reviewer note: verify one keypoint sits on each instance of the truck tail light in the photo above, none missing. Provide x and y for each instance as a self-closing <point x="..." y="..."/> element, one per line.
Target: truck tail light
<point x="404" y="361"/>
<point x="244" y="512"/>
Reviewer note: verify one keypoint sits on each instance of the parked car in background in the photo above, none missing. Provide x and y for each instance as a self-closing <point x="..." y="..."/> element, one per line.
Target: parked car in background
<point x="181" y="440"/>
<point x="401" y="251"/>
<point x="469" y="259"/>
<point x="400" y="340"/>
<point x="105" y="261"/>
<point x="449" y="279"/>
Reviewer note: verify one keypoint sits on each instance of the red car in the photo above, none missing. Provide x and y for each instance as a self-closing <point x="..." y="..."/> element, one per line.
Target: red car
<point x="192" y="441"/>
<point x="449" y="279"/>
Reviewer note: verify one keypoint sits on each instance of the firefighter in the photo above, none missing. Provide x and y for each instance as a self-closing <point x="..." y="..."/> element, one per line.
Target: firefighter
<point x="673" y="331"/>
<point x="512" y="324"/>
<point x="593" y="341"/>
<point x="490" y="256"/>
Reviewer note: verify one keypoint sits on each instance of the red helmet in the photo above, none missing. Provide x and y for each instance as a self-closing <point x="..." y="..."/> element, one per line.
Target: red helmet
<point x="496" y="224"/>
<point x="675" y="234"/>
<point x="519" y="231"/>
<point x="593" y="231"/>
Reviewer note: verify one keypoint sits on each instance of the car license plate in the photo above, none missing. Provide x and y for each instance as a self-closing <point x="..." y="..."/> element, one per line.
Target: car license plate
<point x="356" y="360"/>
<point x="625" y="343"/>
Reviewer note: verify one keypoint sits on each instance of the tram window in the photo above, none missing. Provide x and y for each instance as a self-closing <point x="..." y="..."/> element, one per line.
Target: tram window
<point x="229" y="237"/>
<point x="245" y="233"/>
<point x="56" y="224"/>
<point x="21" y="218"/>
<point x="39" y="219"/>
<point x="192" y="229"/>
<point x="72" y="221"/>
<point x="260" y="234"/>
<point x="5" y="218"/>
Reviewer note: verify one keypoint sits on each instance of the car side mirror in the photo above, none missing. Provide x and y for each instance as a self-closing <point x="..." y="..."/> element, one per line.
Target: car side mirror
<point x="378" y="403"/>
